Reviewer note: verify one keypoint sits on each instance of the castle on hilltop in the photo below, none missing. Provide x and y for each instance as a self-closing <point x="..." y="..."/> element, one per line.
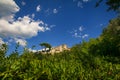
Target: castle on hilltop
<point x="59" y="49"/>
<point x="53" y="50"/>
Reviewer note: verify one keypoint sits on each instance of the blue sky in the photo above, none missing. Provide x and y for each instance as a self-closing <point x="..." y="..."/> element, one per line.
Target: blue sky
<point x="53" y="21"/>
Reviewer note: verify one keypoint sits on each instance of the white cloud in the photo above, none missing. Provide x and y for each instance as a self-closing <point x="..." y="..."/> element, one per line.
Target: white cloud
<point x="10" y="40"/>
<point x="47" y="11"/>
<point x="32" y="50"/>
<point x="19" y="29"/>
<point x="74" y="0"/>
<point x="23" y="27"/>
<point x="79" y="33"/>
<point x="60" y="7"/>
<point x="76" y="35"/>
<point x="80" y="4"/>
<point x="51" y="26"/>
<point x="85" y="36"/>
<point x="33" y="15"/>
<point x="23" y="3"/>
<point x="38" y="8"/>
<point x="21" y="42"/>
<point x="86" y="0"/>
<point x="81" y="28"/>
<point x="55" y="11"/>
<point x="51" y="11"/>
<point x="101" y="24"/>
<point x="8" y="8"/>
<point x="47" y="28"/>
<point x="1" y="41"/>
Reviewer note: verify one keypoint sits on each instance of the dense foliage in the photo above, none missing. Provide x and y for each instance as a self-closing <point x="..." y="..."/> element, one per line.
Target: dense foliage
<point x="109" y="41"/>
<point x="97" y="59"/>
<point x="112" y="4"/>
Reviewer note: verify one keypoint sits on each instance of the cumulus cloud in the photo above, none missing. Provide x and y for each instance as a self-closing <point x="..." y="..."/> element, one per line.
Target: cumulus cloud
<point x="21" y="42"/>
<point x="86" y="0"/>
<point x="31" y="50"/>
<point x="74" y="0"/>
<point x="101" y="24"/>
<point x="21" y="28"/>
<point x="76" y="35"/>
<point x="85" y="36"/>
<point x="33" y="15"/>
<point x="55" y="11"/>
<point x="48" y="11"/>
<point x="38" y="8"/>
<point x="52" y="11"/>
<point x="8" y="8"/>
<point x="80" y="4"/>
<point x="51" y="26"/>
<point x="1" y="41"/>
<point x="23" y="3"/>
<point x="81" y="28"/>
<point x="79" y="33"/>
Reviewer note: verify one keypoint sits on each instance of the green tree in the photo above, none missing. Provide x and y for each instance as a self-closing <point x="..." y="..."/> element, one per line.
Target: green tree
<point x="111" y="37"/>
<point x="46" y="46"/>
<point x="3" y="50"/>
<point x="16" y="48"/>
<point x="112" y="4"/>
<point x="109" y="41"/>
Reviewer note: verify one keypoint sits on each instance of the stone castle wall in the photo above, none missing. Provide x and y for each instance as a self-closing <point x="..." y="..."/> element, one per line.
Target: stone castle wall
<point x="59" y="49"/>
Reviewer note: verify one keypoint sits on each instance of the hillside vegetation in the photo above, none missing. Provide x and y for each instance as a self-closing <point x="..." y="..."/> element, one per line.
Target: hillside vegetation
<point x="97" y="59"/>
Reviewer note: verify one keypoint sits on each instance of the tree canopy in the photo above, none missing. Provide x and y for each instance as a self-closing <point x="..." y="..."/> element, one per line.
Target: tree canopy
<point x="46" y="45"/>
<point x="112" y="4"/>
